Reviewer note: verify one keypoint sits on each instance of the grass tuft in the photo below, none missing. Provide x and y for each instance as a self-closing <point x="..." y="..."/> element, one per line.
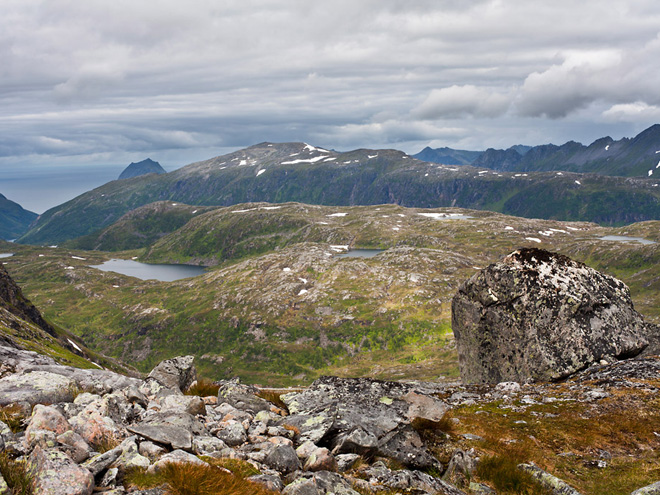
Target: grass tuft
<point x="194" y="479"/>
<point x="203" y="388"/>
<point x="238" y="467"/>
<point x="14" y="417"/>
<point x="17" y="475"/>
<point x="501" y="470"/>
<point x="105" y="442"/>
<point x="273" y="396"/>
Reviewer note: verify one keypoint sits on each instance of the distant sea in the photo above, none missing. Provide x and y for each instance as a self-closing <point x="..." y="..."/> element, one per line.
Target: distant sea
<point x="40" y="189"/>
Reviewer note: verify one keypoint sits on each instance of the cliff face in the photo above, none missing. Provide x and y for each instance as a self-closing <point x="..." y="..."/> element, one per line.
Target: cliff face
<point x="12" y="299"/>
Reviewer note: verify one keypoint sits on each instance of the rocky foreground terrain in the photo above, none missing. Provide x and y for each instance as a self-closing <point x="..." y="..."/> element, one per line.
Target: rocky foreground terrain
<point x="85" y="431"/>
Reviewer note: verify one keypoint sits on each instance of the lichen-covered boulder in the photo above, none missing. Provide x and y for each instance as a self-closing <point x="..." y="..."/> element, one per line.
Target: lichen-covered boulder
<point x="57" y="474"/>
<point x="37" y="387"/>
<point x="177" y="373"/>
<point x="540" y="316"/>
<point x="242" y="397"/>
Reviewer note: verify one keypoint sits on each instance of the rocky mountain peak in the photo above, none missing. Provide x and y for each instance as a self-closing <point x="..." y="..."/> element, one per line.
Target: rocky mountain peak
<point x="144" y="167"/>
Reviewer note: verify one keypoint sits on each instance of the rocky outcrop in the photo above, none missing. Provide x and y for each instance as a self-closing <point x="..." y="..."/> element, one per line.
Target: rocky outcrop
<point x="540" y="316"/>
<point x="358" y="415"/>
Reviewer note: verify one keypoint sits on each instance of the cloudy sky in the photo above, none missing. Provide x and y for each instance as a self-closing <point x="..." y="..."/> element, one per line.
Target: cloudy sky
<point x="105" y="82"/>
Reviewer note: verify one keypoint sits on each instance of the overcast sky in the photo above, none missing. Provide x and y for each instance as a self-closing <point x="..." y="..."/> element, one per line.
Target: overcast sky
<point x="98" y="82"/>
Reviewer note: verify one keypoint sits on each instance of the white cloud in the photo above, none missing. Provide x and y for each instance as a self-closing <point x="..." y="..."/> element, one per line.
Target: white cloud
<point x="463" y="101"/>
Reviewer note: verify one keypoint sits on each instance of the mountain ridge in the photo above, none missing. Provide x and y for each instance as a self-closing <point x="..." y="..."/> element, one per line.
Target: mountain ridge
<point x="279" y="173"/>
<point x="14" y="219"/>
<point x="627" y="157"/>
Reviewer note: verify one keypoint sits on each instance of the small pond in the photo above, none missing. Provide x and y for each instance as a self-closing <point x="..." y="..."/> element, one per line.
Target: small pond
<point x="147" y="271"/>
<point x="360" y="253"/>
<point x="623" y="238"/>
<point x="6" y="255"/>
<point x="446" y="216"/>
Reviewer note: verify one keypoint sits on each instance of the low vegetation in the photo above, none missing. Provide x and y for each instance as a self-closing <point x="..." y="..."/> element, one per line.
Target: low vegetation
<point x="293" y="312"/>
<point x="194" y="479"/>
<point x="17" y="475"/>
<point x="14" y="416"/>
<point x="203" y="387"/>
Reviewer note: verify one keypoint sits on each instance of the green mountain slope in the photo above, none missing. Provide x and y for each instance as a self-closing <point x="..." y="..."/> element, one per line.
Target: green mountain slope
<point x="14" y="220"/>
<point x="280" y="173"/>
<point x="281" y="306"/>
<point x="22" y="326"/>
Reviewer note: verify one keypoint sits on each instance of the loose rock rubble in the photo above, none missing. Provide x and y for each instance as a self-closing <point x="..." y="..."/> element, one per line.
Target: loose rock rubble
<point x="339" y="436"/>
<point x="149" y="423"/>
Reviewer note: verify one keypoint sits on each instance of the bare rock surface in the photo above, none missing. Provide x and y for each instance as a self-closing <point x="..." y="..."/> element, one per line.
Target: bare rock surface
<point x="365" y="416"/>
<point x="540" y="316"/>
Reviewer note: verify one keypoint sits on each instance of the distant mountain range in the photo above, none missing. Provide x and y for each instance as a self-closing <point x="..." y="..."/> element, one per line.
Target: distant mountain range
<point x="278" y="173"/>
<point x="144" y="167"/>
<point x="636" y="157"/>
<point x="14" y="219"/>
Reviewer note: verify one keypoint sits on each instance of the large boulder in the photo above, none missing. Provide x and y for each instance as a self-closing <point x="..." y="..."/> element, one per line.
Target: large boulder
<point x="540" y="316"/>
<point x="177" y="373"/>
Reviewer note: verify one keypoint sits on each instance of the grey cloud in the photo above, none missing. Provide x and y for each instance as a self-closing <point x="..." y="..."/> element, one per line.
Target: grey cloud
<point x="100" y="79"/>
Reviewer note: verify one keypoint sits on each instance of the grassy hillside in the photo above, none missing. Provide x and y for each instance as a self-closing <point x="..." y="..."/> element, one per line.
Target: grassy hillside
<point x="280" y="307"/>
<point x="14" y="220"/>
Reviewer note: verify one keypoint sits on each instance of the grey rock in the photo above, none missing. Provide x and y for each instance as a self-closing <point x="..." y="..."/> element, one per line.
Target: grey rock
<point x="481" y="489"/>
<point x="653" y="489"/>
<point x="283" y="459"/>
<point x="232" y="433"/>
<point x="407" y="480"/>
<point x="540" y="316"/>
<point x="346" y="461"/>
<point x="4" y="488"/>
<point x="243" y="397"/>
<point x="175" y="437"/>
<point x="177" y="373"/>
<point x="35" y="387"/>
<point x="176" y="456"/>
<point x="152" y="451"/>
<point x="134" y="396"/>
<point x="207" y="445"/>
<point x="109" y="478"/>
<point x="364" y="416"/>
<point x="57" y="474"/>
<point x="190" y="404"/>
<point x="75" y="446"/>
<point x="100" y="462"/>
<point x="320" y="483"/>
<point x="557" y="486"/>
<point x="130" y="456"/>
<point x="269" y="481"/>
